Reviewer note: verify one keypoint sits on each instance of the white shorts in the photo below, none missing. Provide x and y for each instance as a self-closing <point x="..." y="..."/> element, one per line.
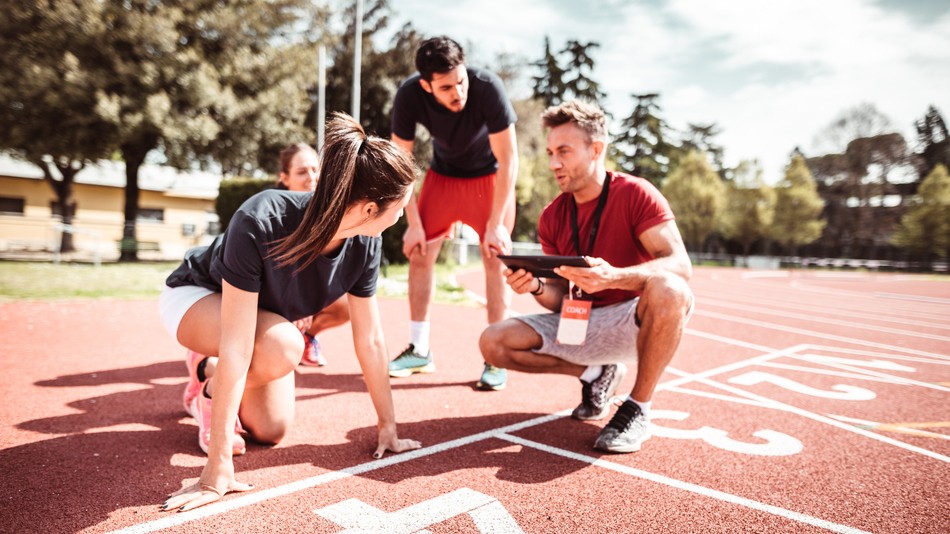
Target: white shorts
<point x="175" y="302"/>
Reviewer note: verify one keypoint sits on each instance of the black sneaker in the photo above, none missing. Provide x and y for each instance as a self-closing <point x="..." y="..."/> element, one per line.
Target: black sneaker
<point x="626" y="431"/>
<point x="595" y="396"/>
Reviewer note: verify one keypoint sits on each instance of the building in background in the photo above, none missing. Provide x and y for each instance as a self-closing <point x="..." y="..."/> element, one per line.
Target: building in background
<point x="176" y="211"/>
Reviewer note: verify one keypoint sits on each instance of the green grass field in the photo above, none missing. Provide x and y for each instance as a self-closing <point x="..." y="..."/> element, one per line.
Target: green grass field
<point x="144" y="280"/>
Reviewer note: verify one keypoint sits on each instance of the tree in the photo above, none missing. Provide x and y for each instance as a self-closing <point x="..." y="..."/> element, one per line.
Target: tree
<point x="580" y="63"/>
<point x="925" y="227"/>
<point x="696" y="195"/>
<point x="382" y="70"/>
<point x="46" y="95"/>
<point x="750" y="207"/>
<point x="798" y="207"/>
<point x="642" y="148"/>
<point x="933" y="142"/>
<point x="198" y="80"/>
<point x="536" y="186"/>
<point x="548" y="85"/>
<point x="863" y="193"/>
<point x="701" y="137"/>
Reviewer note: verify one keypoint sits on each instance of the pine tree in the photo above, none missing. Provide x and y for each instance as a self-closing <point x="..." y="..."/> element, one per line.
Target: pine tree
<point x="548" y="85"/>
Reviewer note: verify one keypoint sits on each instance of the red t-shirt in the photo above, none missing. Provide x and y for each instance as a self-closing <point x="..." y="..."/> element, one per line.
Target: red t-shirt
<point x="634" y="206"/>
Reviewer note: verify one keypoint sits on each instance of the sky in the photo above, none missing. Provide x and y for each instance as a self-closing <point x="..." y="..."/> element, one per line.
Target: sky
<point x="771" y="74"/>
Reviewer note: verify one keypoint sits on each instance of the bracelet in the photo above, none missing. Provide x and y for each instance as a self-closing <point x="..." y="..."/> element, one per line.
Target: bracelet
<point x="540" y="289"/>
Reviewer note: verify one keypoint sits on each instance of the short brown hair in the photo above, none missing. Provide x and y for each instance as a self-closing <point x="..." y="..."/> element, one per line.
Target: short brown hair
<point x="588" y="117"/>
<point x="438" y="55"/>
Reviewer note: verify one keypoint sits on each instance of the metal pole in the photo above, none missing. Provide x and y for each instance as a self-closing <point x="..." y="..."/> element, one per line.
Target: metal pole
<point x="357" y="59"/>
<point x="321" y="95"/>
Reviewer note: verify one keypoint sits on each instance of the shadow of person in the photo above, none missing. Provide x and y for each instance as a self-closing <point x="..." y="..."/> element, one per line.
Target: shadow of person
<point x="112" y="462"/>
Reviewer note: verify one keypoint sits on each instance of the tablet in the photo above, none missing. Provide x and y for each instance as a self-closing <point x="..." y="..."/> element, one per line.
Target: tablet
<point x="542" y="266"/>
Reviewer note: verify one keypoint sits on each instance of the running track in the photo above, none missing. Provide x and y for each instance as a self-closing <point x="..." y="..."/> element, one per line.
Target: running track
<point x="798" y="402"/>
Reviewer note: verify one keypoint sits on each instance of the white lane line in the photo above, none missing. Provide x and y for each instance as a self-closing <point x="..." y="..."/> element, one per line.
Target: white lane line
<point x="820" y="335"/>
<point x="915" y="298"/>
<point x="824" y="320"/>
<point x="233" y="503"/>
<point x="686" y="486"/>
<point x="857" y="374"/>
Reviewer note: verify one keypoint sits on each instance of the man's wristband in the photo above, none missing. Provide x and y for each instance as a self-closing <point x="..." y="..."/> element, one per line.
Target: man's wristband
<point x="540" y="289"/>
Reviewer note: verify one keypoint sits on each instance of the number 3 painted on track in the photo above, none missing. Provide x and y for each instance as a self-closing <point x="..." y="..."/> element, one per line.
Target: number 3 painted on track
<point x="776" y="443"/>
<point x="841" y="391"/>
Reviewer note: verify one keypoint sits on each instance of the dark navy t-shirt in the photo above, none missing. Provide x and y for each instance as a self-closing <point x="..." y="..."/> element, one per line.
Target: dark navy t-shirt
<point x="241" y="256"/>
<point x="460" y="144"/>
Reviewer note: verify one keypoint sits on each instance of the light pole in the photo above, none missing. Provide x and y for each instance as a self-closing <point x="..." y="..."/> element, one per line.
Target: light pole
<point x="357" y="58"/>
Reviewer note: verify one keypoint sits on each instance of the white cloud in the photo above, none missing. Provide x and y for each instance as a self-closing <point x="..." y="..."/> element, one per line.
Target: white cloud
<point x="770" y="74"/>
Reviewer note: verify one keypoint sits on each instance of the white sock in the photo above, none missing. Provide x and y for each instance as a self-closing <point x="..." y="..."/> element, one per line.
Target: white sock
<point x="419" y="336"/>
<point x="644" y="406"/>
<point x="592" y="373"/>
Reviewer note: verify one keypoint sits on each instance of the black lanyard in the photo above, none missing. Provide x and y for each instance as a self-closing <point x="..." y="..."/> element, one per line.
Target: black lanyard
<point x="595" y="225"/>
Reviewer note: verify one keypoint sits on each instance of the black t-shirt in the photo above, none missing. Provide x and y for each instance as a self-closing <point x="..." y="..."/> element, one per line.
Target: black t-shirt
<point x="240" y="256"/>
<point x="460" y="144"/>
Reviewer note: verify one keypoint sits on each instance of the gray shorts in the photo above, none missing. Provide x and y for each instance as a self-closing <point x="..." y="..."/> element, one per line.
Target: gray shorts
<point x="611" y="335"/>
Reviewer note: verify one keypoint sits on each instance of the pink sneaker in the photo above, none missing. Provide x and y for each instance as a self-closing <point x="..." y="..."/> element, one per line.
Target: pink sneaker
<point x="201" y="406"/>
<point x="312" y="355"/>
<point x="192" y="359"/>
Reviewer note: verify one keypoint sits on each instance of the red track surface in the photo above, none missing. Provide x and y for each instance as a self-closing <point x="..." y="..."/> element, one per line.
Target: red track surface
<point x="797" y="402"/>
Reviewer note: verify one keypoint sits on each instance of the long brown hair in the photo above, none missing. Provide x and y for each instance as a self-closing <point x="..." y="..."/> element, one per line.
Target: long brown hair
<point x="353" y="167"/>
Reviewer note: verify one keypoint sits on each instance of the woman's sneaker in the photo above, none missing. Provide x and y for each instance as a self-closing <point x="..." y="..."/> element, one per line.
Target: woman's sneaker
<point x="312" y="355"/>
<point x="201" y="408"/>
<point x="595" y="396"/>
<point x="626" y="431"/>
<point x="409" y="362"/>
<point x="193" y="387"/>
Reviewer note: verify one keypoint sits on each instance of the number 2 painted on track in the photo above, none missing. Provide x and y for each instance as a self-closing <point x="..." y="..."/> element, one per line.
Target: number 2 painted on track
<point x="776" y="443"/>
<point x="841" y="391"/>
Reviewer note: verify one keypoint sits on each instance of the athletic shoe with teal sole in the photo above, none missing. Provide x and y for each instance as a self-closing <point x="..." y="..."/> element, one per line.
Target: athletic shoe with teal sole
<point x="493" y="378"/>
<point x="410" y="362"/>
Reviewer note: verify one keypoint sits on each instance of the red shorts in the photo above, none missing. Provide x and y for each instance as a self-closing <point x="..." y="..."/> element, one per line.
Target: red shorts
<point x="444" y="200"/>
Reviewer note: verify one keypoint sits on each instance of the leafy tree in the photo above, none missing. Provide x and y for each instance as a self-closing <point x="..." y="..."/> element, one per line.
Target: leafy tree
<point x="925" y="227"/>
<point x="548" y="85"/>
<point x="933" y="141"/>
<point x="642" y="147"/>
<point x="47" y="92"/>
<point x="750" y="207"/>
<point x="536" y="186"/>
<point x="697" y="196"/>
<point x="798" y="207"/>
<point x="862" y="191"/>
<point x="199" y="80"/>
<point x="382" y="69"/>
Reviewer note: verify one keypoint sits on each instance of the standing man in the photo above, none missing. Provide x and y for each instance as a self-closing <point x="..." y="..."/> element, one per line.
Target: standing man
<point x="636" y="282"/>
<point x="471" y="179"/>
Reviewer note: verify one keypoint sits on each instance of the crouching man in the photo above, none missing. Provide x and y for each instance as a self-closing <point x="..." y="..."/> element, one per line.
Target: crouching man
<point x="631" y="304"/>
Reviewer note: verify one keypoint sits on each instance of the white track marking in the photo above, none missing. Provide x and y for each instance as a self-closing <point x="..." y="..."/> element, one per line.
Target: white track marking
<point x="771" y="403"/>
<point x="685" y="486"/>
<point x="820" y="335"/>
<point x="826" y="320"/>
